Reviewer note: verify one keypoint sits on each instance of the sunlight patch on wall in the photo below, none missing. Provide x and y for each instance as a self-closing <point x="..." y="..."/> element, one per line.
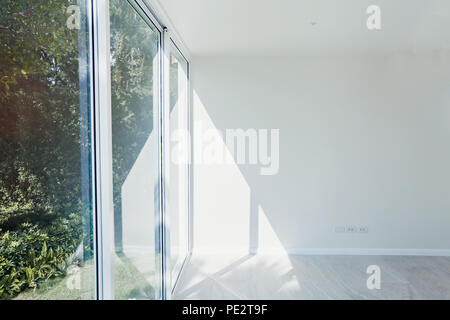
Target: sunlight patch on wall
<point x="221" y="194"/>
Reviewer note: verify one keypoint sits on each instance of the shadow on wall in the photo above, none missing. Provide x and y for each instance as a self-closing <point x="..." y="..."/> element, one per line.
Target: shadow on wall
<point x="234" y="220"/>
<point x="363" y="142"/>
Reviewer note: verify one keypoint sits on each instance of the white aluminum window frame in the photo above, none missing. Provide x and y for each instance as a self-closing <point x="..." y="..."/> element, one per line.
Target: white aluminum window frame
<point x="102" y="147"/>
<point x="170" y="45"/>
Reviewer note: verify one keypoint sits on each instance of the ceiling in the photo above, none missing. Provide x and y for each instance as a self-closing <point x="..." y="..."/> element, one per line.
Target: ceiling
<point x="297" y="27"/>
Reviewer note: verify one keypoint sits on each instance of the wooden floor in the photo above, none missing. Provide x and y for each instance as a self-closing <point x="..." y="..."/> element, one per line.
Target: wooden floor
<point x="312" y="277"/>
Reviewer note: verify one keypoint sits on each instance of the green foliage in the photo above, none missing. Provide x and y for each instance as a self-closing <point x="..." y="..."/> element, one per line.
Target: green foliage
<point x="39" y="112"/>
<point x="30" y="256"/>
<point x="42" y="216"/>
<point x="134" y="47"/>
<point x="44" y="210"/>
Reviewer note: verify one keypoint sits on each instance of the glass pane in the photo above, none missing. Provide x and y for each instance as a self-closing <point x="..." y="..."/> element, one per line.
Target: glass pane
<point x="178" y="179"/>
<point x="46" y="242"/>
<point x="134" y="93"/>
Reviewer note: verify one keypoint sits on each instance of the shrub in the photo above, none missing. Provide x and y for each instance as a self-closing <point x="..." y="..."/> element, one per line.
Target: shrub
<point x="32" y="254"/>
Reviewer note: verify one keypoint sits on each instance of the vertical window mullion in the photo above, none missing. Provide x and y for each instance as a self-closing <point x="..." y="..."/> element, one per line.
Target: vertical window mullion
<point x="103" y="149"/>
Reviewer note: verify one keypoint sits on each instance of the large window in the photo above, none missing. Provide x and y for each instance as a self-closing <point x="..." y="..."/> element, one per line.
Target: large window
<point x="135" y="44"/>
<point x="83" y="183"/>
<point x="46" y="211"/>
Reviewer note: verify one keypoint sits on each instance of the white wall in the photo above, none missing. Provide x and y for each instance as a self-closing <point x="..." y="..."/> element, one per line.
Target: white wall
<point x="364" y="141"/>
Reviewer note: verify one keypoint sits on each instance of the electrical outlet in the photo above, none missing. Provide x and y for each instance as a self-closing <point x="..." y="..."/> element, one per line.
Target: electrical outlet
<point x="351" y="229"/>
<point x="363" y="230"/>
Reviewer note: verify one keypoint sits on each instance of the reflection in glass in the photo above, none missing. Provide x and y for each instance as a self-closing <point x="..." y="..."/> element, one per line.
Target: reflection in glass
<point x="178" y="175"/>
<point x="134" y="100"/>
<point x="46" y="243"/>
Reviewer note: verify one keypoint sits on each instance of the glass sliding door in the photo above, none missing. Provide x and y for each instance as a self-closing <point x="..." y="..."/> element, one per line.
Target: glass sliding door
<point x="179" y="163"/>
<point x="135" y="77"/>
<point x="46" y="203"/>
<point x="55" y="222"/>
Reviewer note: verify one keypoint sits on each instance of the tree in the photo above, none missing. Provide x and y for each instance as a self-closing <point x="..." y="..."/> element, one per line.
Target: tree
<point x="41" y="106"/>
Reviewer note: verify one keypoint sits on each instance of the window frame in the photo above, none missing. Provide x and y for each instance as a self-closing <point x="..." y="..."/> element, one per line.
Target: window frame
<point x="172" y="46"/>
<point x="101" y="126"/>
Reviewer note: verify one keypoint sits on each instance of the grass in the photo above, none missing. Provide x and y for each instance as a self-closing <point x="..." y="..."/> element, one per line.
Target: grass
<point x="134" y="278"/>
<point x="78" y="284"/>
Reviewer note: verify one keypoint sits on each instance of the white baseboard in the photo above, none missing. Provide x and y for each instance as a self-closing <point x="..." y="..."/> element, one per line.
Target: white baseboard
<point x="370" y="251"/>
<point x="328" y="251"/>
